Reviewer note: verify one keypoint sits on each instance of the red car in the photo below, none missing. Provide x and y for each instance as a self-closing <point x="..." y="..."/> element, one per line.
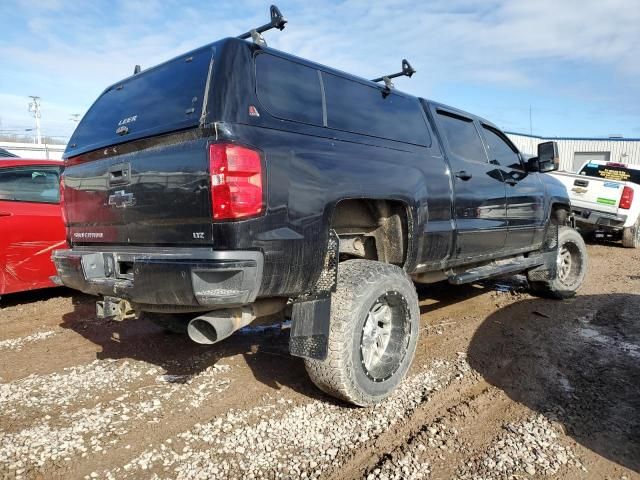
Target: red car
<point x="31" y="224"/>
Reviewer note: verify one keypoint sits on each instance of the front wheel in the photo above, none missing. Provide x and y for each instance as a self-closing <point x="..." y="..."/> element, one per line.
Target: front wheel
<point x="571" y="267"/>
<point x="373" y="334"/>
<point x="631" y="236"/>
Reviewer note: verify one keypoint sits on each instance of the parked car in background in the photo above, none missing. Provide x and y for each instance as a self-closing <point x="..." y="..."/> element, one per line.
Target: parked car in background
<point x="7" y="154"/>
<point x="605" y="199"/>
<point x="31" y="224"/>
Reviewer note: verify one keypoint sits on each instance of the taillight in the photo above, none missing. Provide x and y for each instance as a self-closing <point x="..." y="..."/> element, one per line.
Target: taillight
<point x="627" y="198"/>
<point x="62" y="206"/>
<point x="63" y="211"/>
<point x="236" y="181"/>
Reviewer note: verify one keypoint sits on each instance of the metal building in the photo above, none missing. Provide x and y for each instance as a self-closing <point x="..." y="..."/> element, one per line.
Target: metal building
<point x="39" y="151"/>
<point x="576" y="151"/>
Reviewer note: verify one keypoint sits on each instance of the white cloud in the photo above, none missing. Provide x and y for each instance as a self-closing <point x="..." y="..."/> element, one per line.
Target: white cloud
<point x="464" y="38"/>
<point x="503" y="42"/>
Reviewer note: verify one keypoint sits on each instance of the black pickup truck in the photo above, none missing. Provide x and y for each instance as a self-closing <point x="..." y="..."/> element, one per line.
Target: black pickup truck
<point x="237" y="181"/>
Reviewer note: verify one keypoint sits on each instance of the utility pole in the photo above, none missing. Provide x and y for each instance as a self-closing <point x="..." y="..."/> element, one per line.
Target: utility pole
<point x="530" y="122"/>
<point x="34" y="108"/>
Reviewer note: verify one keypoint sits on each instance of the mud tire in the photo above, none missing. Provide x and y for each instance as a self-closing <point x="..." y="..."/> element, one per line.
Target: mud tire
<point x="571" y="244"/>
<point x="631" y="236"/>
<point x="361" y="286"/>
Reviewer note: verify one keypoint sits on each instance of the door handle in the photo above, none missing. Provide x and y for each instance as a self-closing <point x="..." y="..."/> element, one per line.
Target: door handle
<point x="462" y="175"/>
<point x="510" y="181"/>
<point x="5" y="214"/>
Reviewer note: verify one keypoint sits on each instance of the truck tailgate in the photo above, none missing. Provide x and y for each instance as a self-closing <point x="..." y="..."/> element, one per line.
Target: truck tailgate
<point x="592" y="193"/>
<point x="155" y="195"/>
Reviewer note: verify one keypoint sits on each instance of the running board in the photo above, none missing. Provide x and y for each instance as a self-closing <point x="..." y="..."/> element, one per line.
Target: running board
<point x="495" y="270"/>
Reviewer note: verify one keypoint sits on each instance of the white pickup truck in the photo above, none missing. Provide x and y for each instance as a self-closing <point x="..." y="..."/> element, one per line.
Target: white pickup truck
<point x="605" y="200"/>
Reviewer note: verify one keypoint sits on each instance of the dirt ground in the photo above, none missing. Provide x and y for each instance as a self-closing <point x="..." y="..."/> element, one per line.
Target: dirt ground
<point x="504" y="385"/>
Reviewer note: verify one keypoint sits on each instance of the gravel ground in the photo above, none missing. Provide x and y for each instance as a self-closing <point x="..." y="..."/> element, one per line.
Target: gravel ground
<point x="504" y="386"/>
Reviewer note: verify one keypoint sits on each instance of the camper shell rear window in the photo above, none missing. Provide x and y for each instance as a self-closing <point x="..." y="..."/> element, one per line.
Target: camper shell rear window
<point x="162" y="99"/>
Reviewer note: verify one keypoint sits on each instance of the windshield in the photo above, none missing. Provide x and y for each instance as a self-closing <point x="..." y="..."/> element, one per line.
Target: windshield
<point x="611" y="172"/>
<point x="162" y="99"/>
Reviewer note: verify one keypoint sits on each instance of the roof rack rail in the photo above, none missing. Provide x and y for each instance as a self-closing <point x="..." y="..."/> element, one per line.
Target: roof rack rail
<point x="277" y="21"/>
<point x="407" y="71"/>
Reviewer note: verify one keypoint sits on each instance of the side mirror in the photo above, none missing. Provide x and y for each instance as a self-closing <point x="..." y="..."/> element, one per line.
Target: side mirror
<point x="548" y="157"/>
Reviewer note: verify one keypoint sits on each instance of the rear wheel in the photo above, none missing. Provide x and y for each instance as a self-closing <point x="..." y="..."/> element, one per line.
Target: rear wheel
<point x="374" y="327"/>
<point x="631" y="236"/>
<point x="571" y="267"/>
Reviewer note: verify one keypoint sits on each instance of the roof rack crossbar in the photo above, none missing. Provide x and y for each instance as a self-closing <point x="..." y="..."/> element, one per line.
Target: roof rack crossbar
<point x="407" y="71"/>
<point x="277" y="21"/>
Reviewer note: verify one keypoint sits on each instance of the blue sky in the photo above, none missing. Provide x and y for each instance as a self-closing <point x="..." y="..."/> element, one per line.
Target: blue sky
<point x="574" y="62"/>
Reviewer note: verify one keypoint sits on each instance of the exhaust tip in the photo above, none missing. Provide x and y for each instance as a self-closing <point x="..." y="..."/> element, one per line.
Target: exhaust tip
<point x="201" y="331"/>
<point x="217" y="325"/>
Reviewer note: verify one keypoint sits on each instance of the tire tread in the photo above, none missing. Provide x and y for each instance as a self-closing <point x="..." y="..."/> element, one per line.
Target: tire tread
<point x="630" y="237"/>
<point x="331" y="375"/>
<point x="553" y="288"/>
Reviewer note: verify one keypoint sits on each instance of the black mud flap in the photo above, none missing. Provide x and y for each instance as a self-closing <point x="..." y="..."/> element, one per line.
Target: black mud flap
<point x="312" y="311"/>
<point x="547" y="271"/>
<point x="310" y="329"/>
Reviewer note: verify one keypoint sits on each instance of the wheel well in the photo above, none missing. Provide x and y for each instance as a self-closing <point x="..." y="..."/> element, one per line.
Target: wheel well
<point x="372" y="229"/>
<point x="560" y="214"/>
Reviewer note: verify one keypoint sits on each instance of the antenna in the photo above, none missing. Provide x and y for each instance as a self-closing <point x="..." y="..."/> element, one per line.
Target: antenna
<point x="277" y="21"/>
<point x="34" y="108"/>
<point x="407" y="71"/>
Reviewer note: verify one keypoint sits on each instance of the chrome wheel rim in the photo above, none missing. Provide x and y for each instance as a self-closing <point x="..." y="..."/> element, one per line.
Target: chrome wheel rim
<point x="564" y="264"/>
<point x="375" y="335"/>
<point x="569" y="264"/>
<point x="385" y="336"/>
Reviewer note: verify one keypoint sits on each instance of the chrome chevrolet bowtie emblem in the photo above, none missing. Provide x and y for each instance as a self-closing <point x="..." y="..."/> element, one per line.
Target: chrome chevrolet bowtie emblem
<point x="120" y="199"/>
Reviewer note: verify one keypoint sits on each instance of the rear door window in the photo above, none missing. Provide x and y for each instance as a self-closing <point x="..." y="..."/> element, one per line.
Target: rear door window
<point x="30" y="184"/>
<point x="162" y="99"/>
<point x="359" y="108"/>
<point x="289" y="90"/>
<point x="462" y="136"/>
